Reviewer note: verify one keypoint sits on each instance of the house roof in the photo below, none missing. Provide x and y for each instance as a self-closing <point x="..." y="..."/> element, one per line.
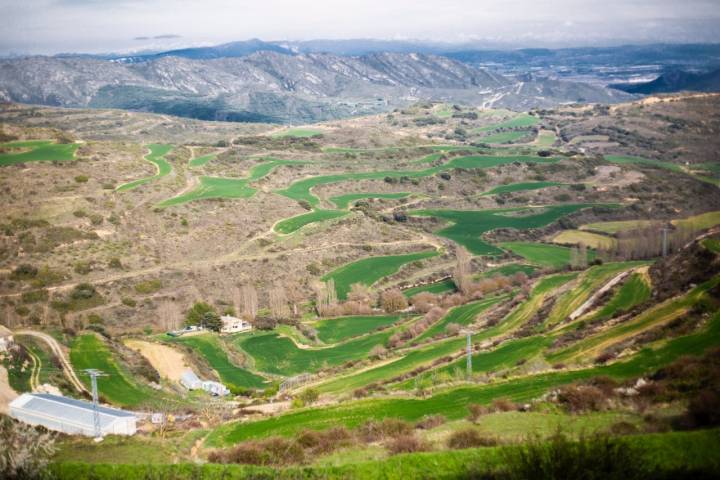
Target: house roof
<point x="67" y="409"/>
<point x="189" y="377"/>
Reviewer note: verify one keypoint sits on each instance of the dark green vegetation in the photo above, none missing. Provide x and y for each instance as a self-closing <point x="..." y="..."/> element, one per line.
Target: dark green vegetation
<point x="88" y="351"/>
<point x="234" y="377"/>
<point x="156" y="157"/>
<point x="468" y="225"/>
<point x="338" y="329"/>
<point x="343" y="201"/>
<point x="36" y="151"/>
<point x="369" y="270"/>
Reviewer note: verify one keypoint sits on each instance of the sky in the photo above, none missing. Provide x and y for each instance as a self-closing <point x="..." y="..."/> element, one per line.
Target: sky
<point x="99" y="26"/>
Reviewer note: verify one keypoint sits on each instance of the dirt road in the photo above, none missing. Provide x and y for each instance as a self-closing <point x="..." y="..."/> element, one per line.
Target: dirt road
<point x="60" y="354"/>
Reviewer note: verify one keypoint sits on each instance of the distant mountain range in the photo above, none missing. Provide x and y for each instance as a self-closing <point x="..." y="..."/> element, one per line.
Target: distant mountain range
<point x="277" y="85"/>
<point x="675" y="81"/>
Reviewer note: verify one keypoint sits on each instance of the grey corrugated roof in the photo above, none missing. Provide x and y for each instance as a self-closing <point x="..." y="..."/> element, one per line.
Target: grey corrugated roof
<point x="189" y="376"/>
<point x="70" y="409"/>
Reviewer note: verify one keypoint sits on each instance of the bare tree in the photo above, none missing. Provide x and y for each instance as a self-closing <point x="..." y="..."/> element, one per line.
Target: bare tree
<point x="461" y="274"/>
<point x="278" y="302"/>
<point x="249" y="302"/>
<point x="582" y="256"/>
<point x="393" y="300"/>
<point x="360" y="293"/>
<point x="169" y="315"/>
<point x="295" y="296"/>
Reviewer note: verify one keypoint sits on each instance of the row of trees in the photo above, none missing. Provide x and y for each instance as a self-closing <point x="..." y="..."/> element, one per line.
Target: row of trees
<point x="647" y="242"/>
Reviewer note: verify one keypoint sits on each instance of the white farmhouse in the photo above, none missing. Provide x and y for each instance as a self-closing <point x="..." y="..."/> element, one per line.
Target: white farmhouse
<point x="190" y="381"/>
<point x="233" y="324"/>
<point x="6" y="338"/>
<point x="215" y="388"/>
<point x="69" y="415"/>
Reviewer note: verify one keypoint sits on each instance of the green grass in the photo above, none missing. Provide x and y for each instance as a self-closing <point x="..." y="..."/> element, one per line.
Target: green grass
<point x="520" y="121"/>
<point x="712" y="244"/>
<point x="589" y="239"/>
<point x="634" y="291"/>
<point x="545" y="139"/>
<point x="627" y="160"/>
<point x="542" y="254"/>
<point x="369" y="270"/>
<point x="298" y="133"/>
<point x="156" y="157"/>
<point x="88" y="351"/>
<point x="280" y="356"/>
<point x="520" y="187"/>
<point x="469" y="225"/>
<point x="40" y="151"/>
<point x="210" y="347"/>
<point x="343" y="201"/>
<point x="293" y="224"/>
<point x="462" y="315"/>
<point x="443" y="286"/>
<point x="508" y="270"/>
<point x="300" y="189"/>
<point x="202" y="160"/>
<point x="225" y="187"/>
<point x="700" y="222"/>
<point x="49" y="371"/>
<point x="339" y="329"/>
<point x="612" y="228"/>
<point x="452" y="403"/>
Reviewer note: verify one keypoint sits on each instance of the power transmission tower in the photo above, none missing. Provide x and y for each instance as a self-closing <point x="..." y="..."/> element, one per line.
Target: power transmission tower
<point x="94" y="373"/>
<point x="468" y="353"/>
<point x="664" y="242"/>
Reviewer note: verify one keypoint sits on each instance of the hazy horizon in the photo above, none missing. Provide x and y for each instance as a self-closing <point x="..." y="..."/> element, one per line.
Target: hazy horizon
<point x="102" y="26"/>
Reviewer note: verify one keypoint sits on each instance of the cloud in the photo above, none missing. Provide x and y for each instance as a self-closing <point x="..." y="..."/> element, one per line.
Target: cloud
<point x="166" y="36"/>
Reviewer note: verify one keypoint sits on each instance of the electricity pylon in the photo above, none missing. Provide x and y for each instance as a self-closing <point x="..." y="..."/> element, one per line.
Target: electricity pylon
<point x="94" y="373"/>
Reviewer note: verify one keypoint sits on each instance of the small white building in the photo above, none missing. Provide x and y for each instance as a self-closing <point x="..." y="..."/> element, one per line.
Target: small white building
<point x="190" y="381"/>
<point x="215" y="388"/>
<point x="234" y="325"/>
<point x="68" y="415"/>
<point x="6" y="338"/>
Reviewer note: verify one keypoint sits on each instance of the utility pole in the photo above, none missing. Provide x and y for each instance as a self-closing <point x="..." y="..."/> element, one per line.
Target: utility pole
<point x="94" y="373"/>
<point x="468" y="353"/>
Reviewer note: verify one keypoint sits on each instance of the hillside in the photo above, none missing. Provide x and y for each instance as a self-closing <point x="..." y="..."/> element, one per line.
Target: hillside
<point x="575" y="248"/>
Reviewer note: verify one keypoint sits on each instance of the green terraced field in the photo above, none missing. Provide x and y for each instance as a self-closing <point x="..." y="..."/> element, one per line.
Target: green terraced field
<point x="39" y="151"/>
<point x="211" y="349"/>
<point x="88" y="351"/>
<point x="634" y="291"/>
<point x="298" y="133"/>
<point x="469" y="225"/>
<point x="589" y="281"/>
<point x="292" y="224"/>
<point x="618" y="226"/>
<point x="202" y="160"/>
<point x="225" y="187"/>
<point x="463" y="315"/>
<point x="589" y="239"/>
<point x="508" y="269"/>
<point x="699" y="222"/>
<point x="452" y="403"/>
<point x="627" y="160"/>
<point x="520" y="187"/>
<point x="542" y="254"/>
<point x="343" y="201"/>
<point x="504" y="137"/>
<point x="280" y="356"/>
<point x="545" y="139"/>
<point x="369" y="270"/>
<point x="300" y="189"/>
<point x="156" y="157"/>
<point x="339" y="329"/>
<point x="443" y="286"/>
<point x="520" y="121"/>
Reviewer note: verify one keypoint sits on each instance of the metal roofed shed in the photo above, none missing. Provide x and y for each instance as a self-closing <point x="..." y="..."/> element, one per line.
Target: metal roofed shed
<point x="189" y="380"/>
<point x="68" y="415"/>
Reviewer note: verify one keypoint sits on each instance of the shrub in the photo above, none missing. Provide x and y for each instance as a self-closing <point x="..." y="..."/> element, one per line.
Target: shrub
<point x="127" y="301"/>
<point x="24" y="450"/>
<point x="504" y="405"/>
<point x="430" y="421"/>
<point x="81" y="178"/>
<point x="83" y="291"/>
<point x="35" y="296"/>
<point x="582" y="398"/>
<point x="115" y="263"/>
<point x="704" y="409"/>
<point x="476" y="411"/>
<point x="24" y="271"/>
<point x="148" y="286"/>
<point x="393" y="300"/>
<point x="406" y="444"/>
<point x="600" y="457"/>
<point x="470" y="438"/>
<point x="373" y="430"/>
<point x="309" y="396"/>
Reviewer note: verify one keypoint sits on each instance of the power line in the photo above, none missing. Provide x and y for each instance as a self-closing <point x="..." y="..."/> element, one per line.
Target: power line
<point x="94" y="373"/>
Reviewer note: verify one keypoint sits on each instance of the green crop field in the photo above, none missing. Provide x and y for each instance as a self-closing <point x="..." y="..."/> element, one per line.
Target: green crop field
<point x="202" y="160"/>
<point x="589" y="239"/>
<point x="339" y="329"/>
<point x="156" y="157"/>
<point x="542" y="254"/>
<point x="462" y="315"/>
<point x="700" y="222"/>
<point x="504" y="137"/>
<point x="469" y="225"/>
<point x="452" y="403"/>
<point x="224" y="187"/>
<point x="88" y="351"/>
<point x="343" y="201"/>
<point x="292" y="224"/>
<point x="589" y="282"/>
<point x="520" y="187"/>
<point x="36" y="151"/>
<point x="443" y="286"/>
<point x="298" y="133"/>
<point x="627" y="160"/>
<point x="520" y="121"/>
<point x="369" y="270"/>
<point x="300" y="189"/>
<point x="545" y="139"/>
<point x="280" y="356"/>
<point x="508" y="269"/>
<point x="210" y="348"/>
<point x="634" y="291"/>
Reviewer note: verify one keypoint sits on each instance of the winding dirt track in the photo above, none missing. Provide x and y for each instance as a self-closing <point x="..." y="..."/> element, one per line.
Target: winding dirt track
<point x="58" y="352"/>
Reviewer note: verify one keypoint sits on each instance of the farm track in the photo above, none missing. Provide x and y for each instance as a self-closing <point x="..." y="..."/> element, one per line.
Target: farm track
<point x="58" y="352"/>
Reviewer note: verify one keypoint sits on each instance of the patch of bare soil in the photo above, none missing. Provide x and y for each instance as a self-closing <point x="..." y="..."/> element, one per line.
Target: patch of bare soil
<point x="169" y="362"/>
